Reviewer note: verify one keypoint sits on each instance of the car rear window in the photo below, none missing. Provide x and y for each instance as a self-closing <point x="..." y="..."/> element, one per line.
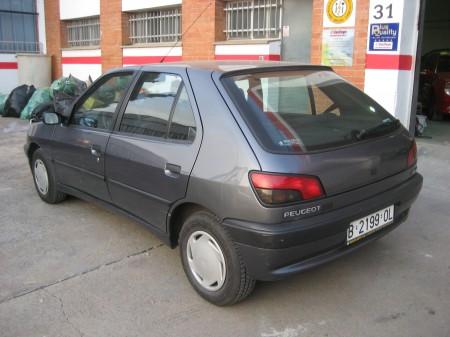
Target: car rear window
<point x="306" y="110"/>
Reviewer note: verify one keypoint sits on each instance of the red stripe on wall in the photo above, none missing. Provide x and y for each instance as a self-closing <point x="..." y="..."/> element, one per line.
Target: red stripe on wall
<point x="8" y="65"/>
<point x="81" y="60"/>
<point x="389" y="62"/>
<point x="271" y="57"/>
<point x="149" y="59"/>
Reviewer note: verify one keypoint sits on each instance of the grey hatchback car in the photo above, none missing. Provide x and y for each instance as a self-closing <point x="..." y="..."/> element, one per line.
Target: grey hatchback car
<point x="256" y="170"/>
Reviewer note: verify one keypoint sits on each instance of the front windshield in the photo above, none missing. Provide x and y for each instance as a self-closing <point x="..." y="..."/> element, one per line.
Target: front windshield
<point x="305" y="110"/>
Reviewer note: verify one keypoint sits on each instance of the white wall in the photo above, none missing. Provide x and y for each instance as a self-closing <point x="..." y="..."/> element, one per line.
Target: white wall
<point x="72" y="9"/>
<point x="252" y="51"/>
<point x="8" y="77"/>
<point x="389" y="85"/>
<point x="134" y="56"/>
<point x="133" y="5"/>
<point x="82" y="63"/>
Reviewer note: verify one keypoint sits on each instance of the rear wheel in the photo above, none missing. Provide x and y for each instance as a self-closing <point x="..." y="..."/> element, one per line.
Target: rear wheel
<point x="212" y="262"/>
<point x="44" y="179"/>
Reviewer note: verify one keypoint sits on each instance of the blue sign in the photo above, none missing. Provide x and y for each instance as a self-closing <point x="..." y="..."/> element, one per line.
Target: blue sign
<point x="383" y="37"/>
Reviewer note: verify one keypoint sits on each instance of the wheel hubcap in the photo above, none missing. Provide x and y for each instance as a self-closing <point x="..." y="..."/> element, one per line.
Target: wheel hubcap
<point x="206" y="260"/>
<point x="41" y="176"/>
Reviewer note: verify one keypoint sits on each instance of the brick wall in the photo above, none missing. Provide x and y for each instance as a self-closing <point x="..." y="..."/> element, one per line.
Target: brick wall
<point x="202" y="26"/>
<point x="114" y="33"/>
<point x="54" y="35"/>
<point x="354" y="74"/>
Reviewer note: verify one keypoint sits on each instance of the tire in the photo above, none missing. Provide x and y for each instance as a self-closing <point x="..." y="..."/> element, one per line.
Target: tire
<point x="41" y="168"/>
<point x="236" y="284"/>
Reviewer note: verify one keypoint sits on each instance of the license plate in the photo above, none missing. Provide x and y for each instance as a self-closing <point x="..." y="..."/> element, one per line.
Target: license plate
<point x="360" y="228"/>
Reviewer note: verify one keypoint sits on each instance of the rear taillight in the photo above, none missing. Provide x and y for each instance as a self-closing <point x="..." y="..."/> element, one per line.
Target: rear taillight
<point x="280" y="189"/>
<point x="412" y="155"/>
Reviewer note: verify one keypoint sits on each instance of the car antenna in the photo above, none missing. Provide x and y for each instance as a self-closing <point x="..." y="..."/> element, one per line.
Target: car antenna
<point x="187" y="29"/>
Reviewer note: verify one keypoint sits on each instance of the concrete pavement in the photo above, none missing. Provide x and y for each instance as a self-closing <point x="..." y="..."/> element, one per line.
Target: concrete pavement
<point x="75" y="269"/>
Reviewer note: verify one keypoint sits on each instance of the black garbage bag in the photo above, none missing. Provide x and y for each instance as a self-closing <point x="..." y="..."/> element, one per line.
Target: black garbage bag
<point x="38" y="112"/>
<point x="62" y="103"/>
<point x="17" y="100"/>
<point x="64" y="91"/>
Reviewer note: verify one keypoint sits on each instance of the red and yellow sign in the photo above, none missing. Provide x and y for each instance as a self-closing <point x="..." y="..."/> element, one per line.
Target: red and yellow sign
<point x="339" y="11"/>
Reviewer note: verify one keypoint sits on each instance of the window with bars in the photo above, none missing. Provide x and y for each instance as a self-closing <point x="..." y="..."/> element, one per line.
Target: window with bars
<point x="162" y="25"/>
<point x="83" y="32"/>
<point x="253" y="19"/>
<point x="18" y="26"/>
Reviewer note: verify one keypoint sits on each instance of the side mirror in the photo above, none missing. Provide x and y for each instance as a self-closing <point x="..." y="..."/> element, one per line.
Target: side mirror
<point x="51" y="118"/>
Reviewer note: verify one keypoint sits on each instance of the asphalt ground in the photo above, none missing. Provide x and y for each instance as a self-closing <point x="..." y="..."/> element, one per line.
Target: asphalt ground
<point x="75" y="269"/>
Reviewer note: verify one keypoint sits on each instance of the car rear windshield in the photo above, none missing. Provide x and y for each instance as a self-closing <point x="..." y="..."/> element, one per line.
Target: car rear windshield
<point x="299" y="111"/>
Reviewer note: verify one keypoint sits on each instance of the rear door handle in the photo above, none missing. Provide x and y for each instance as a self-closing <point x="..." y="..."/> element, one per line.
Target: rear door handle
<point x="172" y="170"/>
<point x="96" y="151"/>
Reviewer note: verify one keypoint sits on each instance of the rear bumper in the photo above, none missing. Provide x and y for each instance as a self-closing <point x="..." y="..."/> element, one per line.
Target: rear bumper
<point x="275" y="251"/>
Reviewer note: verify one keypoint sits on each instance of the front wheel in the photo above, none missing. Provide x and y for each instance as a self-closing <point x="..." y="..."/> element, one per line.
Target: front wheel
<point x="44" y="179"/>
<point x="212" y="262"/>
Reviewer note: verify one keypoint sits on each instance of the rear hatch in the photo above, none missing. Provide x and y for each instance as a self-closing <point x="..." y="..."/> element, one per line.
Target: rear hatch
<point x="347" y="168"/>
<point x="312" y="122"/>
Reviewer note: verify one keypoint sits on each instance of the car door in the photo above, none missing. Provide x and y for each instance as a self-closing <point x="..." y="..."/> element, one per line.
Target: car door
<point x="79" y="145"/>
<point x="151" y="153"/>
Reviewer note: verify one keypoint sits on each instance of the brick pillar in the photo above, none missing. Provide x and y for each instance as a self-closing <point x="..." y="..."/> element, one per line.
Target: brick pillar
<point x="355" y="73"/>
<point x="202" y="25"/>
<point x="114" y="33"/>
<point x="55" y="35"/>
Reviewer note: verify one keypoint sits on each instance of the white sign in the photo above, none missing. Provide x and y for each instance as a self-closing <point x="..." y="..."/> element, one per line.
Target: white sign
<point x="337" y="47"/>
<point x="339" y="13"/>
<point x="385" y="17"/>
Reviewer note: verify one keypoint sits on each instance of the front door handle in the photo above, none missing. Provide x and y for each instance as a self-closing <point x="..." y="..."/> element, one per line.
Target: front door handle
<point x="172" y="170"/>
<point x="96" y="151"/>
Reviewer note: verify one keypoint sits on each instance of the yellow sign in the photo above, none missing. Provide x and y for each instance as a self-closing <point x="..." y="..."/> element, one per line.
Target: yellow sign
<point x="338" y="11"/>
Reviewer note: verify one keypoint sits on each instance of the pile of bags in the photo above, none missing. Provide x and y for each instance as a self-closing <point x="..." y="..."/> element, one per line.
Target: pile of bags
<point x="28" y="102"/>
<point x="16" y="100"/>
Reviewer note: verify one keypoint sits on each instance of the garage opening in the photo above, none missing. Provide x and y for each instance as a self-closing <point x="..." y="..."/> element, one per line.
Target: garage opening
<point x="434" y="78"/>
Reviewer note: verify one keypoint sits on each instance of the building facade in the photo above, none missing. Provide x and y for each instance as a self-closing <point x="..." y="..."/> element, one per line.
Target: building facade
<point x="22" y="30"/>
<point x="88" y="37"/>
<point x="371" y="43"/>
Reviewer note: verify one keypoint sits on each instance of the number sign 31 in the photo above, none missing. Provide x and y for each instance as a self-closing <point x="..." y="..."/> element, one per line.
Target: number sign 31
<point x="384" y="10"/>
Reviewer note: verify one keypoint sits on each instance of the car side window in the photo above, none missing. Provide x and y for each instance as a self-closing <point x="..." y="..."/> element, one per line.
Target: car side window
<point x="182" y="125"/>
<point x="148" y="110"/>
<point x="97" y="109"/>
<point x="159" y="107"/>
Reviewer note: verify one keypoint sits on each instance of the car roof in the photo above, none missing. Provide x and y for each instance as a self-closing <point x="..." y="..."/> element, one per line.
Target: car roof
<point x="226" y="66"/>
